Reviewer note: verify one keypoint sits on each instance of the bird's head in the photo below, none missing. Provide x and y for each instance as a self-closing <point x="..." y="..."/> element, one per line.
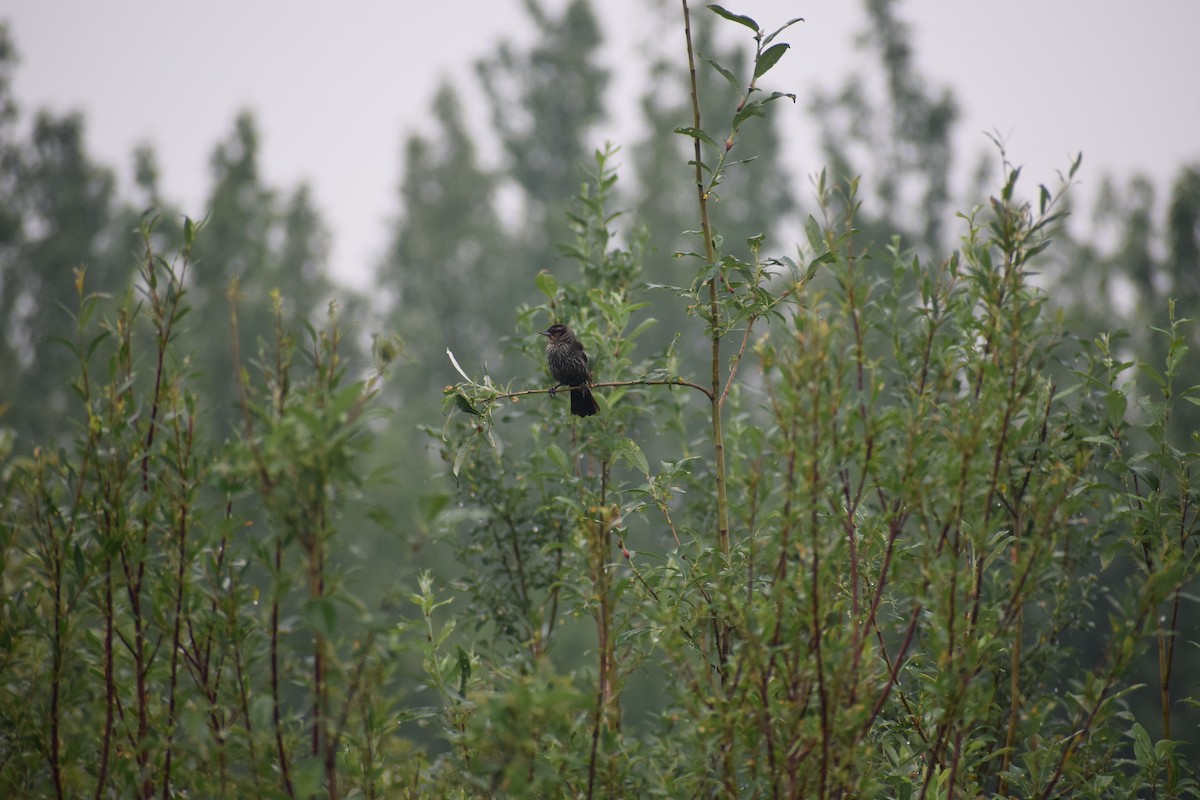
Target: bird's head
<point x="555" y="332"/>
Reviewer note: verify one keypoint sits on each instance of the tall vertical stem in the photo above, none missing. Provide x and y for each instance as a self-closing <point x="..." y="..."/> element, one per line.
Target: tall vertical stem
<point x="710" y="256"/>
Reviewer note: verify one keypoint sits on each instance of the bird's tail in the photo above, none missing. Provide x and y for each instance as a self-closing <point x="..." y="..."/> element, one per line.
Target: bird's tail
<point x="582" y="402"/>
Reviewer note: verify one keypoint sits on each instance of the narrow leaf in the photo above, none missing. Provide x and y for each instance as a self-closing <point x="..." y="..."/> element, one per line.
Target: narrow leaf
<point x="322" y="615"/>
<point x="464" y="671"/>
<point x="629" y="450"/>
<point x="726" y="74"/>
<point x="815" y="264"/>
<point x="96" y="342"/>
<point x="457" y="368"/>
<point x="67" y="343"/>
<point x="770" y="38"/>
<point x="769" y="58"/>
<point x="696" y="133"/>
<point x="754" y="109"/>
<point x="812" y="229"/>
<point x="459" y="458"/>
<point x="430" y="505"/>
<point x="464" y="404"/>
<point x="738" y="18"/>
<point x="642" y="327"/>
<point x="1115" y="403"/>
<point x="556" y="454"/>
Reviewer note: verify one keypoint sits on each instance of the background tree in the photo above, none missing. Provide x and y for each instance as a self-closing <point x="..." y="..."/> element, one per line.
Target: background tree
<point x="11" y="229"/>
<point x="1127" y="279"/>
<point x="66" y="208"/>
<point x="544" y="104"/>
<point x="900" y="142"/>
<point x="447" y="244"/>
<point x="257" y="244"/>
<point x="449" y="236"/>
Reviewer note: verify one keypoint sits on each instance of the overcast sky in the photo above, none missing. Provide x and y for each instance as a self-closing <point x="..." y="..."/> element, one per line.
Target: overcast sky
<point x="337" y="86"/>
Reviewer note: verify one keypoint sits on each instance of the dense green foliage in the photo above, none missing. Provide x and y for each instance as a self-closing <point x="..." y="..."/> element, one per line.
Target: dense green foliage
<point x="864" y="516"/>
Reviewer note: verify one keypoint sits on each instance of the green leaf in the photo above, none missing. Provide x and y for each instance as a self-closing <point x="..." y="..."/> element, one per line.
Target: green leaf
<point x="322" y="615"/>
<point x="96" y="342"/>
<point x="464" y="404"/>
<point x="726" y="74"/>
<point x="547" y="284"/>
<point x="771" y="37"/>
<point x="1116" y="404"/>
<point x="1075" y="165"/>
<point x="792" y="268"/>
<point x="738" y="18"/>
<point x="1100" y="439"/>
<point x="812" y="229"/>
<point x="1037" y="248"/>
<point x="769" y="58"/>
<point x="559" y="458"/>
<point x="1142" y="749"/>
<point x="411" y="714"/>
<point x="65" y="342"/>
<point x="464" y="670"/>
<point x="86" y="309"/>
<point x="345" y="400"/>
<point x="430" y="505"/>
<point x="696" y="133"/>
<point x="1175" y="354"/>
<point x="1151" y="373"/>
<point x="817" y="263"/>
<point x="307" y="776"/>
<point x="261" y="711"/>
<point x="751" y="109"/>
<point x="707" y="273"/>
<point x="629" y="450"/>
<point x="642" y="327"/>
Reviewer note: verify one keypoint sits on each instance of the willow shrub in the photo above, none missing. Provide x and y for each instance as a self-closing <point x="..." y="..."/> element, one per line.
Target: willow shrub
<point x="175" y="619"/>
<point x="928" y="485"/>
<point x="864" y="547"/>
<point x="872" y="526"/>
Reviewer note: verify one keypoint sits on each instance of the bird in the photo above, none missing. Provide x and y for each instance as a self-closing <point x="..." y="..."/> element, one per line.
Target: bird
<point x="569" y="366"/>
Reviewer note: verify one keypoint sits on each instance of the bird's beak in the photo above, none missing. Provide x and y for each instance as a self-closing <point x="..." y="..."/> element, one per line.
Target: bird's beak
<point x="544" y="333"/>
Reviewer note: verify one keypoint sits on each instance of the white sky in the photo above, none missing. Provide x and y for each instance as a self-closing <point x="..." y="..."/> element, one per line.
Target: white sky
<point x="336" y="87"/>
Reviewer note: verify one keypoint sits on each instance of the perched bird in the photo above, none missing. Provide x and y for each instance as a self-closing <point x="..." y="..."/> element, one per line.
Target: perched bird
<point x="569" y="366"/>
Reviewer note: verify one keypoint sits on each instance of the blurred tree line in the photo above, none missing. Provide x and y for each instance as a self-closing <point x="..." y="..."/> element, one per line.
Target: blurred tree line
<point x="463" y="223"/>
<point x="469" y="237"/>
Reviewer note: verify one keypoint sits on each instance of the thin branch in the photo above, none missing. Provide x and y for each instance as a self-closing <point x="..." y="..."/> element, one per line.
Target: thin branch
<point x="737" y="360"/>
<point x="606" y="384"/>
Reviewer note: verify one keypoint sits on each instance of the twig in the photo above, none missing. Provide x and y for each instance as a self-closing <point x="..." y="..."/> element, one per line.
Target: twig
<point x="606" y="384"/>
<point x="737" y="360"/>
